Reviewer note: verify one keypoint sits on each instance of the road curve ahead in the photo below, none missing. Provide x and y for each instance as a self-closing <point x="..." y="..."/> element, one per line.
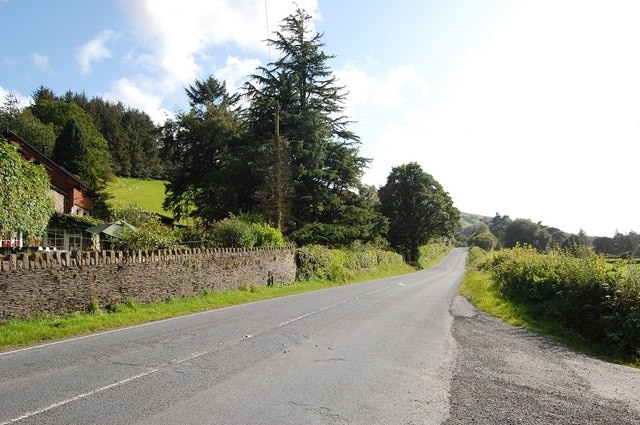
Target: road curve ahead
<point x="378" y="352"/>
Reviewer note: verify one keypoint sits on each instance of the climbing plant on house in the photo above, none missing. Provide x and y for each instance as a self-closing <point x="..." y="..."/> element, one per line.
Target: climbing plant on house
<point x="26" y="204"/>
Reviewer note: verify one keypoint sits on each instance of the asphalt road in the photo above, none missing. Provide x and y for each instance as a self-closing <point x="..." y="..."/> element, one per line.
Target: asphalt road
<point x="507" y="375"/>
<point x="379" y="352"/>
<point x="403" y="350"/>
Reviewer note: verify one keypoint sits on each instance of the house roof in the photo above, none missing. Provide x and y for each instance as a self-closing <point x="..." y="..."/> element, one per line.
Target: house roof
<point x="33" y="153"/>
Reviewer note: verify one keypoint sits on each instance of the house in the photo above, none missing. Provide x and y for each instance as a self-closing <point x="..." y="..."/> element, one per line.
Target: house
<point x="71" y="197"/>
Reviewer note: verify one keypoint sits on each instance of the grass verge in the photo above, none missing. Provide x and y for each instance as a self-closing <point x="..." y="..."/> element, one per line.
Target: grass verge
<point x="17" y="333"/>
<point x="478" y="287"/>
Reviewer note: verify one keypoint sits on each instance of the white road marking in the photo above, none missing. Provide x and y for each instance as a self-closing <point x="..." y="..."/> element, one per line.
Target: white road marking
<point x="378" y="290"/>
<point x="106" y="387"/>
<point x="79" y="397"/>
<point x="97" y="334"/>
<point x="150" y="371"/>
<point x="295" y="319"/>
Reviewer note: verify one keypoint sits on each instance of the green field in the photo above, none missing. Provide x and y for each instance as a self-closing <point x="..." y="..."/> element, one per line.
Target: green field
<point x="147" y="194"/>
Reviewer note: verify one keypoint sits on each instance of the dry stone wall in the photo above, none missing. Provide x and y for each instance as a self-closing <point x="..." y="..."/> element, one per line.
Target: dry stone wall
<point x="61" y="282"/>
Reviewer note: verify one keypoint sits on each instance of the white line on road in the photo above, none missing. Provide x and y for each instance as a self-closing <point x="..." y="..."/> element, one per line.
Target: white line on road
<point x="101" y="389"/>
<point x="378" y="290"/>
<point x="295" y="319"/>
<point x="78" y="397"/>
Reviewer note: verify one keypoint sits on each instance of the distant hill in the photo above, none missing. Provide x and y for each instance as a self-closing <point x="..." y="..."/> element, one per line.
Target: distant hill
<point x="468" y="219"/>
<point x="147" y="194"/>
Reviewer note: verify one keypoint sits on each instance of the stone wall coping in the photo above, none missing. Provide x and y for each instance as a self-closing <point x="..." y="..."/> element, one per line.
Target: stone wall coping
<point x="39" y="260"/>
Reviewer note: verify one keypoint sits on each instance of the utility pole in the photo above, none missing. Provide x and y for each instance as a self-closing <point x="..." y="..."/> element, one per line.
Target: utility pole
<point x="278" y="170"/>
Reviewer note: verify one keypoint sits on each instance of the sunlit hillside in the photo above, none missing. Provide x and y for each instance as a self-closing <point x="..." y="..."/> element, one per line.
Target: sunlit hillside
<point x="147" y="194"/>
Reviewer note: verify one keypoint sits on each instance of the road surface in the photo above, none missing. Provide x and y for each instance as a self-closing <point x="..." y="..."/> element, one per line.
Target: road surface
<point x="376" y="352"/>
<point x="402" y="350"/>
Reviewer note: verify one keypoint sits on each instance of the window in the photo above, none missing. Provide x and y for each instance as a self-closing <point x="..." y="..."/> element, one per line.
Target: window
<point x="77" y="241"/>
<point x="55" y="239"/>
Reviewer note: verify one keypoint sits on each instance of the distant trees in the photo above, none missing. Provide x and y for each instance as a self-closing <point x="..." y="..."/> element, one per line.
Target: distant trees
<point x="23" y="123"/>
<point x="98" y="168"/>
<point x="120" y="140"/>
<point x="626" y="245"/>
<point x="418" y="210"/>
<point x="26" y="204"/>
<point x="483" y="239"/>
<point x="498" y="226"/>
<point x="526" y="232"/>
<point x="131" y="135"/>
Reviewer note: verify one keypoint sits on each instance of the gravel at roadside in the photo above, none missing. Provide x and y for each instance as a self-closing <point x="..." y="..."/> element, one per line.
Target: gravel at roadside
<point x="507" y="375"/>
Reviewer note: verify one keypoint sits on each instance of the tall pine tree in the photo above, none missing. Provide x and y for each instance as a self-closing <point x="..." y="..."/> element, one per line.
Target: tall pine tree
<point x="211" y="175"/>
<point x="319" y="154"/>
<point x="71" y="152"/>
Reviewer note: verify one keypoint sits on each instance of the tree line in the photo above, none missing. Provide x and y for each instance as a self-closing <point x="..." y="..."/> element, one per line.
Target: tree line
<point x="501" y="231"/>
<point x="278" y="149"/>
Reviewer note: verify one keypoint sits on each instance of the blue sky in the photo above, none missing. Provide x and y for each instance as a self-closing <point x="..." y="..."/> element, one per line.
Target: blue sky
<point x="529" y="108"/>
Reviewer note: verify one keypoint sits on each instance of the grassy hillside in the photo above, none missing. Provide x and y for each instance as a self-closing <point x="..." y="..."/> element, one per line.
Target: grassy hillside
<point x="147" y="194"/>
<point x="467" y="219"/>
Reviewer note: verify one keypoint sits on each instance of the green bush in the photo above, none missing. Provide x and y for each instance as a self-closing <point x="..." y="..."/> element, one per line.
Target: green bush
<point x="267" y="235"/>
<point x="432" y="253"/>
<point x="485" y="240"/>
<point x="150" y="235"/>
<point x="233" y="233"/>
<point x="475" y="257"/>
<point x="338" y="265"/>
<point x="133" y="214"/>
<point x="244" y="231"/>
<point x="621" y="324"/>
<point x="578" y="290"/>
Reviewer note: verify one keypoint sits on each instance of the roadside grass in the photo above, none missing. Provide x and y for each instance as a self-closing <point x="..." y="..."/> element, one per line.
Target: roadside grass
<point x="433" y="252"/>
<point x="18" y="333"/>
<point x="478" y="287"/>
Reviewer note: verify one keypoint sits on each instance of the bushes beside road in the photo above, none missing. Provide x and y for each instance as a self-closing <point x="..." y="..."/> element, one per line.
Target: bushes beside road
<point x="342" y="265"/>
<point x="579" y="291"/>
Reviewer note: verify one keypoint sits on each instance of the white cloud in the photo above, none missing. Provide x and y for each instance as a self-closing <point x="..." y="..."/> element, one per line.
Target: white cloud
<point x="389" y="92"/>
<point x="176" y="36"/>
<point x="41" y="61"/>
<point x="95" y="50"/>
<point x="235" y="72"/>
<point x="127" y="92"/>
<point x="23" y="101"/>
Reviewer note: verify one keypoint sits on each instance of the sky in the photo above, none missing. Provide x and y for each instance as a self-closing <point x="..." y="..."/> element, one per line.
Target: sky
<point x="526" y="108"/>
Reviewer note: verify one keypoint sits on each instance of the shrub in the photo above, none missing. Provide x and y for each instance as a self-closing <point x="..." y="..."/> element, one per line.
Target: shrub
<point x="233" y="233"/>
<point x="338" y="265"/>
<point x="485" y="240"/>
<point x="476" y="257"/>
<point x="267" y="235"/>
<point x="133" y="214"/>
<point x="150" y="235"/>
<point x="431" y="253"/>
<point x="621" y="324"/>
<point x="578" y="290"/>
<point x="333" y="235"/>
